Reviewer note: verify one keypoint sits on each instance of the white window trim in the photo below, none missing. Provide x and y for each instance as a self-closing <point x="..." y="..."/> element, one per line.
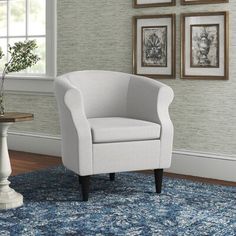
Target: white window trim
<point x="41" y="83"/>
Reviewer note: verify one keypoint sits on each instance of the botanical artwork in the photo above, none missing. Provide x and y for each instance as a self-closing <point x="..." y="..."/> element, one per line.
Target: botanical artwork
<point x="154" y="46"/>
<point x="204" y="43"/>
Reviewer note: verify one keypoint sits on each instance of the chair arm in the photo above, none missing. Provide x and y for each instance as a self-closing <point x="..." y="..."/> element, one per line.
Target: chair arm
<point x="74" y="103"/>
<point x="149" y="100"/>
<point x="164" y="99"/>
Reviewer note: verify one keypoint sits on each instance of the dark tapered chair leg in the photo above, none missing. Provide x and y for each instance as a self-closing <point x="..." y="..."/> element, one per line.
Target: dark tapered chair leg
<point x="79" y="179"/>
<point x="112" y="176"/>
<point x="84" y="181"/>
<point x="158" y="173"/>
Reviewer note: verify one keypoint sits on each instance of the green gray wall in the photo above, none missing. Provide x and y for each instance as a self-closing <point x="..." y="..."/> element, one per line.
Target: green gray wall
<point x="98" y="35"/>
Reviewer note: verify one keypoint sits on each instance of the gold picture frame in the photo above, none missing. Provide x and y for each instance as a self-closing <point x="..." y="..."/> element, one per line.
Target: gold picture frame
<point x="154" y="46"/>
<point x="205" y="45"/>
<point x="157" y="3"/>
<point x="192" y="2"/>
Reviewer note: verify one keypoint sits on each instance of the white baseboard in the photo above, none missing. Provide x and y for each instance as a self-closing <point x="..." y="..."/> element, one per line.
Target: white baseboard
<point x="34" y="143"/>
<point x="205" y="165"/>
<point x="215" y="166"/>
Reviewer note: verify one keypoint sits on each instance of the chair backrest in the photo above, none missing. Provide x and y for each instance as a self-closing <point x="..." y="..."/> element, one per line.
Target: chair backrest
<point x="104" y="92"/>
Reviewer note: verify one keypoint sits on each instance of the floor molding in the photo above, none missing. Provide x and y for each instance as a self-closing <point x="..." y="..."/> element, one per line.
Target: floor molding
<point x="208" y="165"/>
<point x="34" y="143"/>
<point x="205" y="165"/>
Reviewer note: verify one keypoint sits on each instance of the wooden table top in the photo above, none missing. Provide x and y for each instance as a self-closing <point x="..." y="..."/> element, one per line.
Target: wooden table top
<point x="16" y="116"/>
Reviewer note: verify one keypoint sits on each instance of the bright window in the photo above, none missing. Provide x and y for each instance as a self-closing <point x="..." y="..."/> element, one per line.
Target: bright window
<point x="28" y="19"/>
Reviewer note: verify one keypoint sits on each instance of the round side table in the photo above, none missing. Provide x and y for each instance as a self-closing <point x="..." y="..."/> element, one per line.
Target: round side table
<point x="9" y="198"/>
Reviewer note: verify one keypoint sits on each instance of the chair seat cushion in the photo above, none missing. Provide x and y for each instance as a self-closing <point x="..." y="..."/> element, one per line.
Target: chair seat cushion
<point x="119" y="129"/>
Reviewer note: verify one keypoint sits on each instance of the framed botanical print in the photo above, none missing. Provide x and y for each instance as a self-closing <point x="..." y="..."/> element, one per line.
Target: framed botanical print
<point x="153" y="3"/>
<point x="154" y="46"/>
<point x="190" y="2"/>
<point x="204" y="45"/>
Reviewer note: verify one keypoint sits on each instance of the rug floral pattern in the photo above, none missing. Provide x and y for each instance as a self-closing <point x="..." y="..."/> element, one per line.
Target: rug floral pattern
<point x="128" y="206"/>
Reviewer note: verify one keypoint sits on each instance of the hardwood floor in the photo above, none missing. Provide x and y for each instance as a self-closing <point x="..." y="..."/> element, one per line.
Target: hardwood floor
<point x="23" y="162"/>
<point x="200" y="179"/>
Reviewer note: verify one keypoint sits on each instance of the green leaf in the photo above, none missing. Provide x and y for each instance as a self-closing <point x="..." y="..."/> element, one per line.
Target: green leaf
<point x="22" y="56"/>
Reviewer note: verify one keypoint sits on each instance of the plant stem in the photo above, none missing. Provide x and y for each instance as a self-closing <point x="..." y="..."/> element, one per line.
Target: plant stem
<point x="3" y="76"/>
<point x="2" y="81"/>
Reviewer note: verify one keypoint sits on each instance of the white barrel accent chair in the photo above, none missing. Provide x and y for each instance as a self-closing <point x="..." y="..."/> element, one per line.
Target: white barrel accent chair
<point x="113" y="122"/>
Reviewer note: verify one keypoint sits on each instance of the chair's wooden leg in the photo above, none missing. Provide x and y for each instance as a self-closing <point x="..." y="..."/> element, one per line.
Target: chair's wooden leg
<point x="84" y="180"/>
<point x="158" y="173"/>
<point x="112" y="176"/>
<point x="79" y="179"/>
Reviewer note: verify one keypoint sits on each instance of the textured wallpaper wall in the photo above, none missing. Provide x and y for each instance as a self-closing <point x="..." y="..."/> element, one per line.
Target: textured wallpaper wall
<point x="98" y="35"/>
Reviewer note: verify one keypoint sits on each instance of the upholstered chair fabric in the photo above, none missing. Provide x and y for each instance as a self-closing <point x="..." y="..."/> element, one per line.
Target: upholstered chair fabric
<point x="113" y="121"/>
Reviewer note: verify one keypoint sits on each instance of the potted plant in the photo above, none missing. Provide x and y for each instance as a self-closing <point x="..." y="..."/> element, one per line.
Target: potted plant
<point x="22" y="56"/>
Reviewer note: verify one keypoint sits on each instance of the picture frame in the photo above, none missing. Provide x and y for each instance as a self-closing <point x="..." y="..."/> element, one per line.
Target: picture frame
<point x="154" y="46"/>
<point x="205" y="45"/>
<point x="191" y="2"/>
<point x="153" y="3"/>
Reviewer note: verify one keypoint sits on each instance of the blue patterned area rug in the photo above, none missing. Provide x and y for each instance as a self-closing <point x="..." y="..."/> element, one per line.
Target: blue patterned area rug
<point x="128" y="206"/>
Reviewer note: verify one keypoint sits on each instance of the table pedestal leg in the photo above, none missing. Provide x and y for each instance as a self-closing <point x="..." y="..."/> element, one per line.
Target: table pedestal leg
<point x="9" y="198"/>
